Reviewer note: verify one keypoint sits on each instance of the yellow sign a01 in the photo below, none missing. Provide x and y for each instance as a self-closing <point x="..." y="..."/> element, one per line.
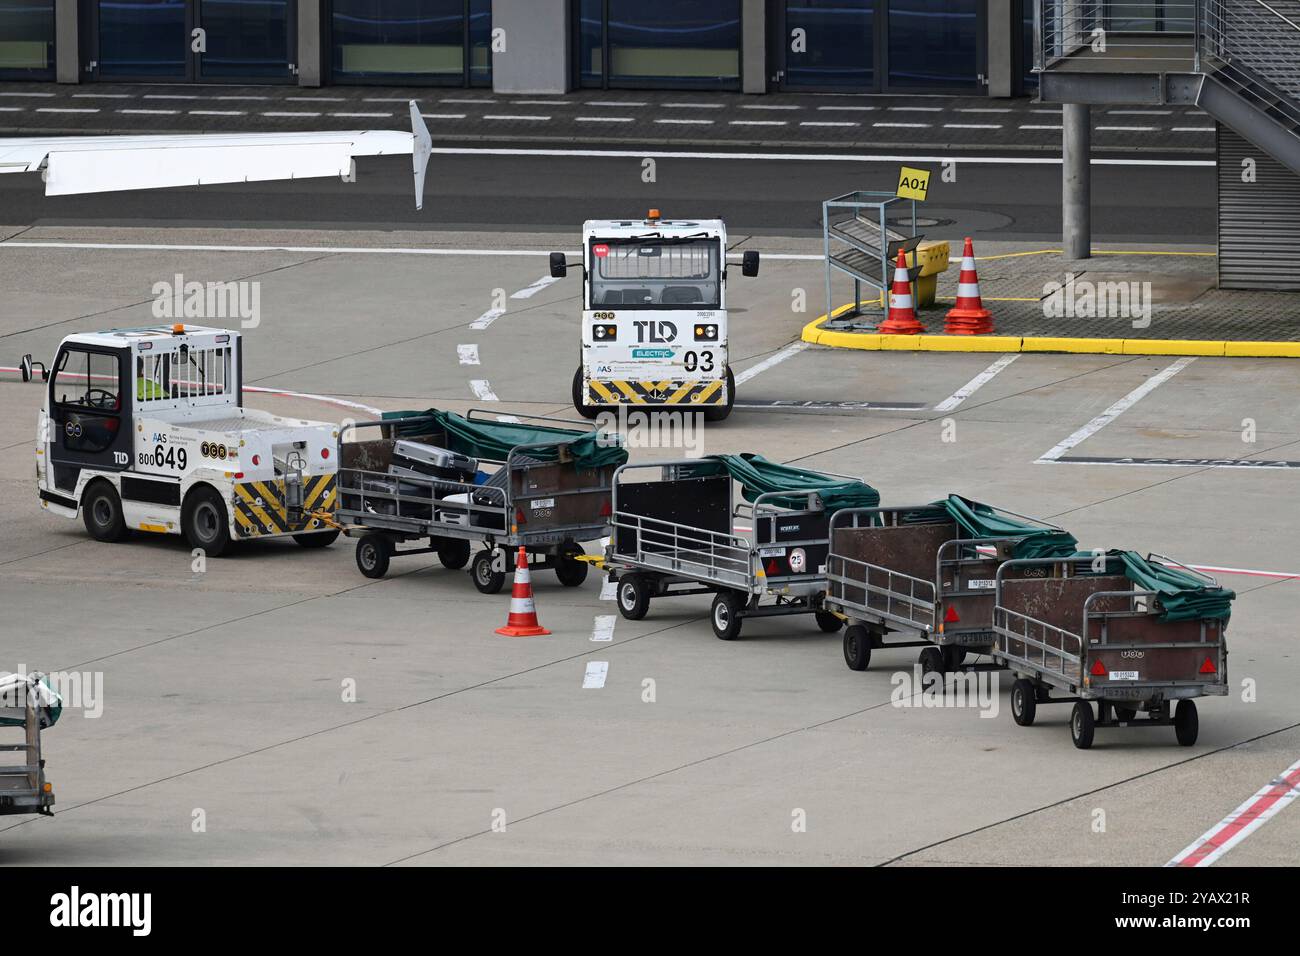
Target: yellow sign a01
<point x="913" y="183"/>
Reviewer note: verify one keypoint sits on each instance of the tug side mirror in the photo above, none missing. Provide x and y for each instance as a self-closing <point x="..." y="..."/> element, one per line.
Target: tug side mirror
<point x="559" y="266"/>
<point x="749" y="263"/>
<point x="25" y="366"/>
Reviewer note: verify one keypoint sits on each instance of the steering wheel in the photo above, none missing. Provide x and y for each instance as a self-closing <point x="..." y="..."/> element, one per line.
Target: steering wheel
<point x="99" y="398"/>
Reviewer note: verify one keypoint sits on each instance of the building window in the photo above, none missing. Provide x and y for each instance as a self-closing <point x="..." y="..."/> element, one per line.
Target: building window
<point x="27" y="39"/>
<point x="834" y="46"/>
<point x="446" y="42"/>
<point x="246" y="38"/>
<point x="142" y="38"/>
<point x="670" y="43"/>
<point x="934" y="46"/>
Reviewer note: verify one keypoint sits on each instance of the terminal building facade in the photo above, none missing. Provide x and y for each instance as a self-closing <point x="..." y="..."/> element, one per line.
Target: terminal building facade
<point x="973" y="47"/>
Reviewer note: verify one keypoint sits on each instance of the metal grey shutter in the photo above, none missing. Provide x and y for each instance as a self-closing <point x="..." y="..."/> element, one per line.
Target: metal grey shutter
<point x="1259" y="222"/>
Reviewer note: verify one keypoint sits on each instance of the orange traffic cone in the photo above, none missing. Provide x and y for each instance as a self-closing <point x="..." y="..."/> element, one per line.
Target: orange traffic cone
<point x="902" y="313"/>
<point x="522" y="621"/>
<point x="968" y="316"/>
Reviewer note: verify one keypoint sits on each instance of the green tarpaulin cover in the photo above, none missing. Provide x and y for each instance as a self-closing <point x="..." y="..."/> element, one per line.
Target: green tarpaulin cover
<point x="1183" y="596"/>
<point x="494" y="440"/>
<point x="982" y="521"/>
<point x="759" y="476"/>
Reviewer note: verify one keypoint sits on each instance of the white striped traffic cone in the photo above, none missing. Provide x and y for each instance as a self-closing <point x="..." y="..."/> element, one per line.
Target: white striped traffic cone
<point x="968" y="316"/>
<point x="902" y="312"/>
<point x="522" y="621"/>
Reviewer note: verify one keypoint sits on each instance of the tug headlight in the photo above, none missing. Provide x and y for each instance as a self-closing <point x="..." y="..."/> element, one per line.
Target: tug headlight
<point x="604" y="333"/>
<point x="706" y="333"/>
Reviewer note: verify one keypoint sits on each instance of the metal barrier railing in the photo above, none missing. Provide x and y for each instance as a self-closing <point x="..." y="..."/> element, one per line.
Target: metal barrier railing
<point x="1154" y="32"/>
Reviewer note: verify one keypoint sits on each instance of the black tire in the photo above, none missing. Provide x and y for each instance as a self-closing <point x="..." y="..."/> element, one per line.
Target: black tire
<point x="953" y="657"/>
<point x="633" y="596"/>
<point x="317" y="539"/>
<point x="570" y="572"/>
<point x="583" y="409"/>
<point x="205" y="521"/>
<point x="1082" y="724"/>
<point x="1024" y="702"/>
<point x="453" y="553"/>
<point x="1125" y="714"/>
<point x="1187" y="723"/>
<point x="931" y="660"/>
<point x="857" y="647"/>
<point x="101" y="511"/>
<point x="718" y="413"/>
<point x="725" y="616"/>
<point x="828" y="622"/>
<point x="374" y="551"/>
<point x="485" y="578"/>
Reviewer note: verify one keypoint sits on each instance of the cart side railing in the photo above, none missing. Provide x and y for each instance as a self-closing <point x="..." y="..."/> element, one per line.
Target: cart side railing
<point x="22" y="786"/>
<point x="688" y="551"/>
<point x="906" y="600"/>
<point x="1036" y="649"/>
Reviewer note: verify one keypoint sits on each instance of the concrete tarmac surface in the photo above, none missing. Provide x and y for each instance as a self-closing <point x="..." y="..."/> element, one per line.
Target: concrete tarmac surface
<point x="224" y="691"/>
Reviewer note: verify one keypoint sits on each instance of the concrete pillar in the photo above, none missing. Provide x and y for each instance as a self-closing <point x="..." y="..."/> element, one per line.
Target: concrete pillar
<point x="536" y="54"/>
<point x="753" y="46"/>
<point x="1003" y="41"/>
<point x="1076" y="180"/>
<point x="311" y="51"/>
<point x="67" y="42"/>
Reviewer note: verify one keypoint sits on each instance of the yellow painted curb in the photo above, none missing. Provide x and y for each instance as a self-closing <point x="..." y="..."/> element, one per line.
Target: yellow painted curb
<point x="875" y="342"/>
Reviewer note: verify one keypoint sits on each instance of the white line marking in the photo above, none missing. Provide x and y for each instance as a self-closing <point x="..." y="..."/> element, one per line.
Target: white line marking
<point x="1178" y="463"/>
<point x="170" y="96"/>
<point x="904" y="125"/>
<point x="483" y="390"/>
<point x="13" y="109"/>
<point x="468" y="354"/>
<point x="328" y="399"/>
<point x="1128" y="129"/>
<point x="1139" y="112"/>
<point x="443" y="115"/>
<point x="915" y="109"/>
<point x="101" y="96"/>
<point x="685" y="122"/>
<point x="984" y="109"/>
<point x="1266" y="803"/>
<point x="849" y="109"/>
<point x="602" y="628"/>
<point x="517" y="118"/>
<point x="316" y="99"/>
<point x="532" y="290"/>
<point x="47" y="95"/>
<point x="67" y="109"/>
<point x="395" y="99"/>
<point x="972" y="125"/>
<point x="453" y="99"/>
<point x="792" y="349"/>
<point x="756" y="122"/>
<point x="554" y="102"/>
<point x="820" y="123"/>
<point x="691" y="106"/>
<point x="242" y="97"/>
<point x="1037" y="126"/>
<point x="755" y="106"/>
<point x="608" y="590"/>
<point x="1194" y="129"/>
<point x="487" y="318"/>
<point x="150" y="112"/>
<point x="975" y="384"/>
<point x="363" y="115"/>
<point x="216" y="112"/>
<point x="629" y="103"/>
<point x="1119" y="408"/>
<point x="282" y="113"/>
<point x="602" y="119"/>
<point x="594" y="678"/>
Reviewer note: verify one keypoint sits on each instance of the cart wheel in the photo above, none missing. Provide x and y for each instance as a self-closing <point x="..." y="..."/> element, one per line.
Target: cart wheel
<point x="1024" y="702"/>
<point x="486" y="578"/>
<point x="1186" y="722"/>
<point x="931" y="660"/>
<point x="717" y="413"/>
<point x="453" y="553"/>
<point x="633" y="596"/>
<point x="727" y="608"/>
<point x="1125" y="714"/>
<point x="570" y="571"/>
<point x="317" y="539"/>
<point x="373" y="552"/>
<point x="857" y="647"/>
<point x="583" y="409"/>
<point x="828" y="622"/>
<point x="1082" y="724"/>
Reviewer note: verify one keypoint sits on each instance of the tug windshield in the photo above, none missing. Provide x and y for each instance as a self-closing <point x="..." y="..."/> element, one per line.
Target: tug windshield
<point x="655" y="273"/>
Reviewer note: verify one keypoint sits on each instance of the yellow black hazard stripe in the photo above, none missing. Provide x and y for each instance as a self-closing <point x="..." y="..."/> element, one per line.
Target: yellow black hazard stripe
<point x="619" y="392"/>
<point x="260" y="510"/>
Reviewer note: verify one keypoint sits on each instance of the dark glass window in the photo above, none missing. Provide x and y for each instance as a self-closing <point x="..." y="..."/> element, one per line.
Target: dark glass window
<point x="142" y="38"/>
<point x="1029" y="79"/>
<point x="692" y="43"/>
<point x="245" y="38"/>
<point x="417" y="39"/>
<point x="835" y="48"/>
<point x="26" y="39"/>
<point x="933" y="45"/>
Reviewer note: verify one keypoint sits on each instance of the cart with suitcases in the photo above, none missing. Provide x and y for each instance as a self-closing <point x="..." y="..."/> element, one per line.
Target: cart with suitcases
<point x="452" y="480"/>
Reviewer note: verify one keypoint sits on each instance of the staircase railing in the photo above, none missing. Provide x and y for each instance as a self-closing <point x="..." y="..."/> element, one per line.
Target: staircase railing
<point x="1255" y="45"/>
<point x="1150" y="33"/>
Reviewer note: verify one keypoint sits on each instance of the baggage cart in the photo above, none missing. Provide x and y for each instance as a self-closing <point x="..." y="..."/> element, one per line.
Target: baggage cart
<point x="27" y="705"/>
<point x="1073" y="634"/>
<point x="923" y="576"/>
<point x="413" y="485"/>
<point x="676" y="536"/>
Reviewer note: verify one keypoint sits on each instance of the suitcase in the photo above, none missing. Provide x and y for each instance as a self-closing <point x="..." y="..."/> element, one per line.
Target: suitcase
<point x="433" y="461"/>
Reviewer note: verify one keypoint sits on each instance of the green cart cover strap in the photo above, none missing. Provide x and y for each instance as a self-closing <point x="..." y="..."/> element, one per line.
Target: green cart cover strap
<point x="495" y="440"/>
<point x="1183" y="596"/>
<point x="759" y="476"/>
<point x="982" y="521"/>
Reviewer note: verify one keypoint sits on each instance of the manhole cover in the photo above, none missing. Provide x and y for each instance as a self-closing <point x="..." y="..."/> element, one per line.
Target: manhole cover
<point x="922" y="222"/>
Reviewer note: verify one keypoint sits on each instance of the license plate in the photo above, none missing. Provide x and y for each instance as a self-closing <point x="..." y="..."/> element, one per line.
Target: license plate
<point x="1123" y="675"/>
<point x="771" y="552"/>
<point x="981" y="583"/>
<point x="538" y="503"/>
